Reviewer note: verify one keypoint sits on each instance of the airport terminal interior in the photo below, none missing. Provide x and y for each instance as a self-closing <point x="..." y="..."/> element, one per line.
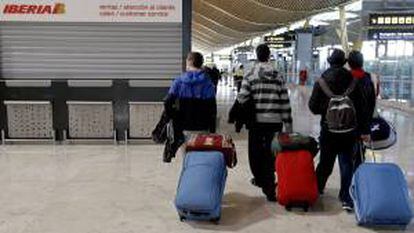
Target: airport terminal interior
<point x="83" y="84"/>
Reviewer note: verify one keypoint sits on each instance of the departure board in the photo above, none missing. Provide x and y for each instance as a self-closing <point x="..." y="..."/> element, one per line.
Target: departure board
<point x="391" y="19"/>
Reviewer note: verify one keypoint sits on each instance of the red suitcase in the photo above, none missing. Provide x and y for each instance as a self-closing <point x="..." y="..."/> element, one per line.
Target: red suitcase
<point x="297" y="183"/>
<point x="214" y="142"/>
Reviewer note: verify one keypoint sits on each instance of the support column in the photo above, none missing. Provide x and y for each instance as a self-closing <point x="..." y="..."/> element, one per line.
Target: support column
<point x="412" y="85"/>
<point x="343" y="29"/>
<point x="186" y="30"/>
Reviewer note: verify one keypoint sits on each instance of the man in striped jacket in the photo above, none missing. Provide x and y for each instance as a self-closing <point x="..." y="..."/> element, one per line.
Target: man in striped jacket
<point x="267" y="89"/>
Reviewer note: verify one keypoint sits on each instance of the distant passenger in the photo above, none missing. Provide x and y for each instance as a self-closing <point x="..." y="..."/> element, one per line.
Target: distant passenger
<point x="191" y="101"/>
<point x="266" y="88"/>
<point x="214" y="75"/>
<point x="217" y="77"/>
<point x="303" y="77"/>
<point x="338" y="81"/>
<point x="356" y="62"/>
<point x="239" y="77"/>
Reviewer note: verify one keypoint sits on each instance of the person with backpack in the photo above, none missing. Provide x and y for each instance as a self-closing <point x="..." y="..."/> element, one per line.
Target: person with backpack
<point x="191" y="100"/>
<point x="356" y="63"/>
<point x="339" y="100"/>
<point x="264" y="87"/>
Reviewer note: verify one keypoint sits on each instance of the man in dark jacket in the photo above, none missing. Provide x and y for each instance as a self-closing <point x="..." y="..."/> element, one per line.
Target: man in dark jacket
<point x="214" y="75"/>
<point x="332" y="145"/>
<point x="191" y="101"/>
<point x="356" y="62"/>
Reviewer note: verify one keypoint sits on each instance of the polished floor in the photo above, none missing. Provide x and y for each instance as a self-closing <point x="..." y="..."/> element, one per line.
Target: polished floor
<point x="127" y="189"/>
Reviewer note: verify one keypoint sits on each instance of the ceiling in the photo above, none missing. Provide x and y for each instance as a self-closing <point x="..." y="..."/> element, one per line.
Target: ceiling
<point x="217" y="24"/>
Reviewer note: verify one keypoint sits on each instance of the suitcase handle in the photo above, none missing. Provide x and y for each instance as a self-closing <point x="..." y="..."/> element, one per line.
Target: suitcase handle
<point x="372" y="150"/>
<point x="362" y="154"/>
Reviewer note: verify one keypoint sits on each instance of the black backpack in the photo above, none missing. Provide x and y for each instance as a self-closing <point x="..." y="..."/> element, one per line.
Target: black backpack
<point x="341" y="114"/>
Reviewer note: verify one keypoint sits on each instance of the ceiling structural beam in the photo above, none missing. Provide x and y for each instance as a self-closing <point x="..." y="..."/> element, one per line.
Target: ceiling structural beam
<point x="213" y="31"/>
<point x="222" y="32"/>
<point x="255" y="13"/>
<point x="211" y="37"/>
<point x="201" y="45"/>
<point x="285" y="9"/>
<point x="235" y="17"/>
<point x="299" y="6"/>
<point x="204" y="37"/>
<point x="222" y="27"/>
<point x="204" y="47"/>
<point x="207" y="42"/>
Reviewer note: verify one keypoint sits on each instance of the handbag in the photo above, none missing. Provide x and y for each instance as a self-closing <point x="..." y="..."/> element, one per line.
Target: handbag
<point x="214" y="142"/>
<point x="294" y="141"/>
<point x="383" y="134"/>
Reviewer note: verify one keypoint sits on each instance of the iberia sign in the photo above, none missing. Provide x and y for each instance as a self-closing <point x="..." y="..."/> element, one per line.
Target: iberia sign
<point x="57" y="8"/>
<point x="91" y="10"/>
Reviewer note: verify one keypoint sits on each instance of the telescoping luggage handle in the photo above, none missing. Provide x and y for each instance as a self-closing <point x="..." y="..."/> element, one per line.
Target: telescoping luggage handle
<point x="361" y="151"/>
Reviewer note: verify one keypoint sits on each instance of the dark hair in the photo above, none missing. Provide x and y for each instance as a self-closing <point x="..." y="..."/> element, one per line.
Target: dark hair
<point x="337" y="58"/>
<point x="263" y="53"/>
<point x="356" y="59"/>
<point x="196" y="59"/>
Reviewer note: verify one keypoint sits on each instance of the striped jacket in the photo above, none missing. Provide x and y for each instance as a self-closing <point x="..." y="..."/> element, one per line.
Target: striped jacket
<point x="269" y="93"/>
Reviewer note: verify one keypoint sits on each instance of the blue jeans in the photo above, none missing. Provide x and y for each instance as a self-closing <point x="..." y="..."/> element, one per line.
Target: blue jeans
<point x="347" y="170"/>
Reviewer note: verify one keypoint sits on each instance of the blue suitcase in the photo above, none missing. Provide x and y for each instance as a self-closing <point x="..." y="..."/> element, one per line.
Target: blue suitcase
<point x="381" y="196"/>
<point x="201" y="186"/>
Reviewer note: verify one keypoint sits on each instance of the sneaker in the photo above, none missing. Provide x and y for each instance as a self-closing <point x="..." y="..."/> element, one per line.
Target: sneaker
<point x="254" y="183"/>
<point x="347" y="207"/>
<point x="271" y="198"/>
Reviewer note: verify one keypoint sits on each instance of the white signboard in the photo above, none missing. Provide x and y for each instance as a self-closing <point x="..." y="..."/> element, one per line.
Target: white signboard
<point x="91" y="10"/>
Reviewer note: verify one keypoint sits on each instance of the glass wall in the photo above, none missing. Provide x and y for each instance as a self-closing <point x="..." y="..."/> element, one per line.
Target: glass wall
<point x="393" y="63"/>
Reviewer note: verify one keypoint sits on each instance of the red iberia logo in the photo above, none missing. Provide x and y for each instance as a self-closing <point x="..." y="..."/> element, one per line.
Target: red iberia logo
<point x="57" y="8"/>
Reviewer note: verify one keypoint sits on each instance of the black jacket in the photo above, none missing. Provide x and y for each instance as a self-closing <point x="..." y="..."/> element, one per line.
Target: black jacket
<point x="338" y="80"/>
<point x="368" y="95"/>
<point x="242" y="114"/>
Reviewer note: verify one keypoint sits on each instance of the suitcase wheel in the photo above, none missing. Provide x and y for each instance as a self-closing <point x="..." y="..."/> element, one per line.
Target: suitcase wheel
<point x="182" y="218"/>
<point x="305" y="207"/>
<point x="215" y="220"/>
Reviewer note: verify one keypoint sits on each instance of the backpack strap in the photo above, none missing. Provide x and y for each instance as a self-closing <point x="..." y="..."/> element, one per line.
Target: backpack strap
<point x="325" y="88"/>
<point x="351" y="87"/>
<point x="330" y="94"/>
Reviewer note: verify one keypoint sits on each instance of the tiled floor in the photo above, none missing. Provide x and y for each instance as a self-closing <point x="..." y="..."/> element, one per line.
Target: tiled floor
<point x="119" y="189"/>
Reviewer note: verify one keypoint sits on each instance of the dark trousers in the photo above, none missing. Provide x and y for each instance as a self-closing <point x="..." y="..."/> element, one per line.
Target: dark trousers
<point x="359" y="155"/>
<point x="261" y="159"/>
<point x="333" y="145"/>
<point x="238" y="84"/>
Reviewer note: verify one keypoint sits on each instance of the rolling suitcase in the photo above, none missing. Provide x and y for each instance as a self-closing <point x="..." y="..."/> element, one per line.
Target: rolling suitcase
<point x="381" y="195"/>
<point x="201" y="186"/>
<point x="297" y="183"/>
